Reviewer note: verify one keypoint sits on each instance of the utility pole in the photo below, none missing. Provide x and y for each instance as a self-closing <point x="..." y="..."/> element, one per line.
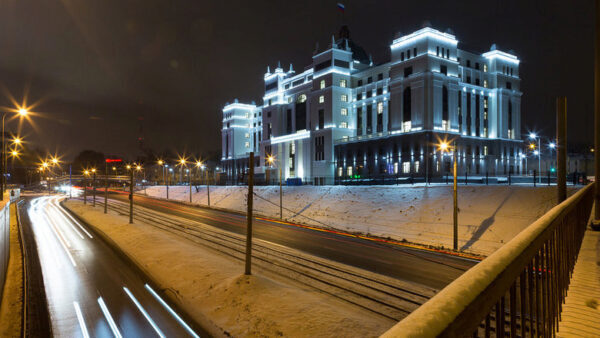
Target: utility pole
<point x="70" y="183"/>
<point x="190" y="183"/>
<point x="105" y="187"/>
<point x="280" y="192"/>
<point x="249" y="214"/>
<point x="131" y="196"/>
<point x="455" y="198"/>
<point x="207" y="187"/>
<point x="84" y="189"/>
<point x="561" y="148"/>
<point x="596" y="220"/>
<point x="94" y="186"/>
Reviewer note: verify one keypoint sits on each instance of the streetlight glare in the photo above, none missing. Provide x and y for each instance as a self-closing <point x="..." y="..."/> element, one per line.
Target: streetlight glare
<point x="532" y="135"/>
<point x="443" y="146"/>
<point x="271" y="159"/>
<point x="182" y="161"/>
<point x="128" y="166"/>
<point x="552" y="145"/>
<point x="86" y="172"/>
<point x="199" y="164"/>
<point x="14" y="153"/>
<point x="23" y="111"/>
<point x="531" y="146"/>
<point x="160" y="162"/>
<point x="55" y="160"/>
<point x="138" y="167"/>
<point x="17" y="140"/>
<point x="93" y="170"/>
<point x="45" y="164"/>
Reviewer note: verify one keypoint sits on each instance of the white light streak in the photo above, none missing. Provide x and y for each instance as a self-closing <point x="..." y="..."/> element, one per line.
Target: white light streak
<point x="163" y="303"/>
<point x="422" y="34"/>
<point x="292" y="137"/>
<point x="109" y="318"/>
<point x="84" y="330"/>
<point x="141" y="308"/>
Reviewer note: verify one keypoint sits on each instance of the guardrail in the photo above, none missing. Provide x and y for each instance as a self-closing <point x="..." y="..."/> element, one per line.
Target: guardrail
<point x="518" y="290"/>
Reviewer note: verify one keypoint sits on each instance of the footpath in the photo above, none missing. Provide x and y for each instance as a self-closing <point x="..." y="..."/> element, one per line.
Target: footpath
<point x="581" y="312"/>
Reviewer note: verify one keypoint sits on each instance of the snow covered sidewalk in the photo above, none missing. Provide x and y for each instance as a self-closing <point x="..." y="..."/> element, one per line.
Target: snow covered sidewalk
<point x="489" y="215"/>
<point x="211" y="287"/>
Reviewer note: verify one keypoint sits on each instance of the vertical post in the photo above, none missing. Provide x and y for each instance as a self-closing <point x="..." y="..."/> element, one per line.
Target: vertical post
<point x="487" y="175"/>
<point x="105" y="187"/>
<point x="70" y="183"/>
<point x="249" y="214"/>
<point x="94" y="189"/>
<point x="548" y="177"/>
<point x="539" y="160"/>
<point x="509" y="177"/>
<point x="455" y="198"/>
<point x="207" y="187"/>
<point x="280" y="195"/>
<point x="168" y="179"/>
<point x="131" y="196"/>
<point x="597" y="114"/>
<point x="561" y="148"/>
<point x="190" y="183"/>
<point x="84" y="190"/>
<point x="3" y="169"/>
<point x="534" y="176"/>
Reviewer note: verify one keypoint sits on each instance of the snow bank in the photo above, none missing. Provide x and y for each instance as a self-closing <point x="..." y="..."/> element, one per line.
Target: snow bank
<point x="211" y="287"/>
<point x="489" y="215"/>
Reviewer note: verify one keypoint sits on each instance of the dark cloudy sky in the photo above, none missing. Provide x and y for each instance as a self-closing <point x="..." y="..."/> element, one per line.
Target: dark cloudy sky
<point x="98" y="66"/>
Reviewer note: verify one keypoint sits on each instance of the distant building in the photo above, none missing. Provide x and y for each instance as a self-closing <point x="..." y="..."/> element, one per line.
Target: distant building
<point x="344" y="117"/>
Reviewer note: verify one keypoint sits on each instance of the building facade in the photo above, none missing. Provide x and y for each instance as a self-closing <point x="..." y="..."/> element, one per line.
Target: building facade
<point x="346" y="118"/>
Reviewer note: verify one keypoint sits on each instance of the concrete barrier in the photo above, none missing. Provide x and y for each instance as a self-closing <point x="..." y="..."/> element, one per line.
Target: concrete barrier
<point x="4" y="241"/>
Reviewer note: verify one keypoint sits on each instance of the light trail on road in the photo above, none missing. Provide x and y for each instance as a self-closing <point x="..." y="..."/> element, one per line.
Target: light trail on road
<point x="90" y="288"/>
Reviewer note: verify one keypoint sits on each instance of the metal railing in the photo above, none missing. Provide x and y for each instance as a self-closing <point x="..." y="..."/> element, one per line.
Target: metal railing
<point x="519" y="290"/>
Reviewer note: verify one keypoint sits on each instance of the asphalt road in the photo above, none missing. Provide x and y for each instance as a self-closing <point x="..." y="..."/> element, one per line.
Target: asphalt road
<point x="91" y="290"/>
<point x="423" y="267"/>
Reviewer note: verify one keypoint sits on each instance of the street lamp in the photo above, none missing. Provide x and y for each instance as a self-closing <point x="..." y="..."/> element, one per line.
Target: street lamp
<point x="444" y="146"/>
<point x="534" y="136"/>
<point x="22" y="112"/>
<point x="94" y="186"/>
<point x="161" y="163"/>
<point x="86" y="173"/>
<point x="271" y="160"/>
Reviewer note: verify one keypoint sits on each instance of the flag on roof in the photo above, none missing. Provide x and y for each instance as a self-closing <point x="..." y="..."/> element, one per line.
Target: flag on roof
<point x="341" y="6"/>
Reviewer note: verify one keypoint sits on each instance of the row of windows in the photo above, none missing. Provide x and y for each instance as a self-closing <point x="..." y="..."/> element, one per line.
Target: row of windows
<point x="408" y="56"/>
<point x="445" y="52"/>
<point x="375" y="92"/>
<point x="370" y="79"/>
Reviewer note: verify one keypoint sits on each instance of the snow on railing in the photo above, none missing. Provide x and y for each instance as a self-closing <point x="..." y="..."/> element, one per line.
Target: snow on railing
<point x="520" y="288"/>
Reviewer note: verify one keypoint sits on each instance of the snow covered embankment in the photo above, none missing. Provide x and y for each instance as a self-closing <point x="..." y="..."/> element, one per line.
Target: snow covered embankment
<point x="210" y="287"/>
<point x="489" y="215"/>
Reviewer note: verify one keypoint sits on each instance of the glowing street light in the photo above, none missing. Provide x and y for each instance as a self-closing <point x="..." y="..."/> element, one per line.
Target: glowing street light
<point x="45" y="165"/>
<point x="14" y="153"/>
<point x="22" y="112"/>
<point x="537" y="152"/>
<point x="138" y="167"/>
<point x="552" y="145"/>
<point x="444" y="146"/>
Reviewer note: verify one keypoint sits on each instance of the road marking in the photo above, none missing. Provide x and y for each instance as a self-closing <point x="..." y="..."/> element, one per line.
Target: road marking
<point x="161" y="301"/>
<point x="84" y="330"/>
<point x="109" y="319"/>
<point x="141" y="308"/>
<point x="61" y="241"/>
<point x="64" y="220"/>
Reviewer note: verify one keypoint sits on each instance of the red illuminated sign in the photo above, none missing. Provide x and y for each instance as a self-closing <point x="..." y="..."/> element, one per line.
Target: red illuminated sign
<point x="111" y="160"/>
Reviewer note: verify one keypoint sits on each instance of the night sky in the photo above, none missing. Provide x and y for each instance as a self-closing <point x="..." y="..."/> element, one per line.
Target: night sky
<point x="98" y="66"/>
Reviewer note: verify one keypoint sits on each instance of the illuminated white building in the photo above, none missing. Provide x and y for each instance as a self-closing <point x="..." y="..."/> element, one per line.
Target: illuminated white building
<point x="345" y="118"/>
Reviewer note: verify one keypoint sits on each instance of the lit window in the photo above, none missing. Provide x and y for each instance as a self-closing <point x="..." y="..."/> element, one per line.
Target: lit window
<point x="247" y="144"/>
<point x="485" y="115"/>
<point x="290" y="99"/>
<point x="485" y="84"/>
<point x="509" y="133"/>
<point x="484" y="67"/>
<point x="395" y="167"/>
<point x="416" y="166"/>
<point x="321" y="98"/>
<point x="247" y="115"/>
<point x="247" y="135"/>
<point x="444" y="125"/>
<point x="322" y="84"/>
<point x="485" y="150"/>
<point x="406" y="126"/>
<point x="344" y="98"/>
<point x="349" y="170"/>
<point x="340" y="171"/>
<point x="344" y="111"/>
<point x="380" y="108"/>
<point x="485" y="103"/>
<point x="406" y="167"/>
<point x="344" y="125"/>
<point x="343" y="83"/>
<point x="485" y="133"/>
<point x="301" y="99"/>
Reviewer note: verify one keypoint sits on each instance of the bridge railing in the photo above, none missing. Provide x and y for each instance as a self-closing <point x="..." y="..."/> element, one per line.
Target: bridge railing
<point x="518" y="290"/>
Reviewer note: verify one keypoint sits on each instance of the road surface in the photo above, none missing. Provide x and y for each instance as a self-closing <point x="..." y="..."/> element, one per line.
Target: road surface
<point x="91" y="290"/>
<point x="426" y="268"/>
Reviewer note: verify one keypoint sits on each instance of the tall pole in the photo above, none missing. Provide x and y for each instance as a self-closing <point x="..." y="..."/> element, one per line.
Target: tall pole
<point x="168" y="178"/>
<point x="455" y="198"/>
<point x="2" y="158"/>
<point x="190" y="183"/>
<point x="84" y="190"/>
<point x="131" y="197"/>
<point x="539" y="161"/>
<point x="561" y="148"/>
<point x="94" y="188"/>
<point x="597" y="114"/>
<point x="280" y="194"/>
<point x="207" y="188"/>
<point x="70" y="182"/>
<point x="105" y="187"/>
<point x="249" y="214"/>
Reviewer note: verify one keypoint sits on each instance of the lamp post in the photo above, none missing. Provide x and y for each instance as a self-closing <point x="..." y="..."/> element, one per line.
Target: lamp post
<point x="105" y="186"/>
<point x="533" y="136"/>
<point x="444" y="147"/>
<point x="85" y="174"/>
<point x="22" y="112"/>
<point x="271" y="161"/>
<point x="161" y="163"/>
<point x="94" y="187"/>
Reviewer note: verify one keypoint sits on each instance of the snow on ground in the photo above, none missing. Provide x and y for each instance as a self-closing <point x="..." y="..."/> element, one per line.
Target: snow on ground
<point x="489" y="215"/>
<point x="211" y="287"/>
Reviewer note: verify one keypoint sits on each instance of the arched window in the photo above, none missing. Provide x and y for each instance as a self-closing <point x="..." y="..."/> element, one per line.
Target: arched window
<point x="445" y="103"/>
<point x="301" y="98"/>
<point x="406" y="106"/>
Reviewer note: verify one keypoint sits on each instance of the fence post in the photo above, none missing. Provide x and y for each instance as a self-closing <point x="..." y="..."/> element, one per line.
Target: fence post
<point x="534" y="176"/>
<point x="509" y="177"/>
<point x="561" y="148"/>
